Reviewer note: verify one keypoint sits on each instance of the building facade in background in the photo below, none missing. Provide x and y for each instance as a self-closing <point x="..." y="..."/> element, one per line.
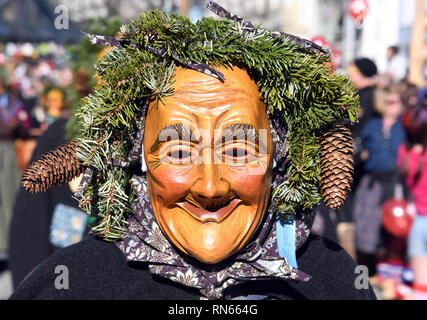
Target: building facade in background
<point x="388" y="23"/>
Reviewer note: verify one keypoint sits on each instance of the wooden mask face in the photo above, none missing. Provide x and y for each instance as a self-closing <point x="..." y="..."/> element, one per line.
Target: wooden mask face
<point x="208" y="152"/>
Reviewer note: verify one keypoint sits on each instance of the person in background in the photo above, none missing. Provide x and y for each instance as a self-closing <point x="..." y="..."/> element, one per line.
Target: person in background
<point x="53" y="100"/>
<point x="397" y="65"/>
<point x="363" y="73"/>
<point x="81" y="83"/>
<point x="24" y="144"/>
<point x="380" y="134"/>
<point x="381" y="137"/>
<point x="409" y="92"/>
<point x="14" y="123"/>
<point x="412" y="160"/>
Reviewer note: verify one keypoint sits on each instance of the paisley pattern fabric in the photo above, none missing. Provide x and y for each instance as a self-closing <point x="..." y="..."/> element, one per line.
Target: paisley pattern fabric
<point x="259" y="259"/>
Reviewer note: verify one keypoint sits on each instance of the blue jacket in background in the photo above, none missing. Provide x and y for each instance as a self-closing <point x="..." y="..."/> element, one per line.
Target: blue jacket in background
<point x="382" y="148"/>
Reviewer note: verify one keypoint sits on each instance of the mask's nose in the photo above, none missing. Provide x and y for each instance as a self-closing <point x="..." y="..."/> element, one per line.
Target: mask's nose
<point x="210" y="191"/>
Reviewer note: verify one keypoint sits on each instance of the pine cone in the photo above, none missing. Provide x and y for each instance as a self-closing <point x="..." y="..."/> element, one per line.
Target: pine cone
<point x="336" y="159"/>
<point x="52" y="169"/>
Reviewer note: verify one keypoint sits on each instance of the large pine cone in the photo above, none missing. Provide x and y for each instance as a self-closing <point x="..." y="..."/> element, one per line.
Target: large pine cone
<point x="336" y="158"/>
<point x="54" y="168"/>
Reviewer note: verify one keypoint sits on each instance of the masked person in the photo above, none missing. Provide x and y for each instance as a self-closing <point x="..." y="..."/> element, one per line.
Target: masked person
<point x="202" y="166"/>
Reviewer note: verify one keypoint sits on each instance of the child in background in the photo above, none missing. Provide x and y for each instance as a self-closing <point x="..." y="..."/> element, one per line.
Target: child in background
<point x="412" y="160"/>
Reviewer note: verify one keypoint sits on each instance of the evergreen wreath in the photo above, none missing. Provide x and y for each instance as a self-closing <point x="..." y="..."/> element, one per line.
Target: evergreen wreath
<point x="294" y="76"/>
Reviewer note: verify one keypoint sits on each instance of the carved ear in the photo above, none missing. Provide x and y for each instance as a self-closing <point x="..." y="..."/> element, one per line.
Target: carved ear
<point x="54" y="168"/>
<point x="336" y="160"/>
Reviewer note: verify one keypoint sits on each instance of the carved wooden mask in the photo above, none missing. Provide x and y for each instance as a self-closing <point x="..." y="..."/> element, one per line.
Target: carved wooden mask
<point x="208" y="150"/>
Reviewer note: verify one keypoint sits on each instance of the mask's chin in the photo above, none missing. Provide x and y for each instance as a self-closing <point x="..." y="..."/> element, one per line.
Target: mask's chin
<point x="210" y="258"/>
<point x="211" y="240"/>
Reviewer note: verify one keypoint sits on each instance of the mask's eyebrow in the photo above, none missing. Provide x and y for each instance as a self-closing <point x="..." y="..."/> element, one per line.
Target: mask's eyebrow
<point x="241" y="131"/>
<point x="177" y="131"/>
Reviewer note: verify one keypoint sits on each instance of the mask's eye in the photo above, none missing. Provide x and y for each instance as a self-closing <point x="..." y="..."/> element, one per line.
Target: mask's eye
<point x="179" y="154"/>
<point x="237" y="153"/>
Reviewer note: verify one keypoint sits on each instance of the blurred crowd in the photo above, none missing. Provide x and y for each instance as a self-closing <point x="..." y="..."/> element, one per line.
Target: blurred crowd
<point x="29" y="102"/>
<point x="383" y="225"/>
<point x="37" y="89"/>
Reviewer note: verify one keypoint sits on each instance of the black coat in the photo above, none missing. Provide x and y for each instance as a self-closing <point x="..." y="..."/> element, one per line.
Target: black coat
<point x="98" y="270"/>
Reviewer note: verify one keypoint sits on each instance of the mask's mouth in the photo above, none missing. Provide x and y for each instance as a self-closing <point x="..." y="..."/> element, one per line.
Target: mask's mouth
<point x="203" y="215"/>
